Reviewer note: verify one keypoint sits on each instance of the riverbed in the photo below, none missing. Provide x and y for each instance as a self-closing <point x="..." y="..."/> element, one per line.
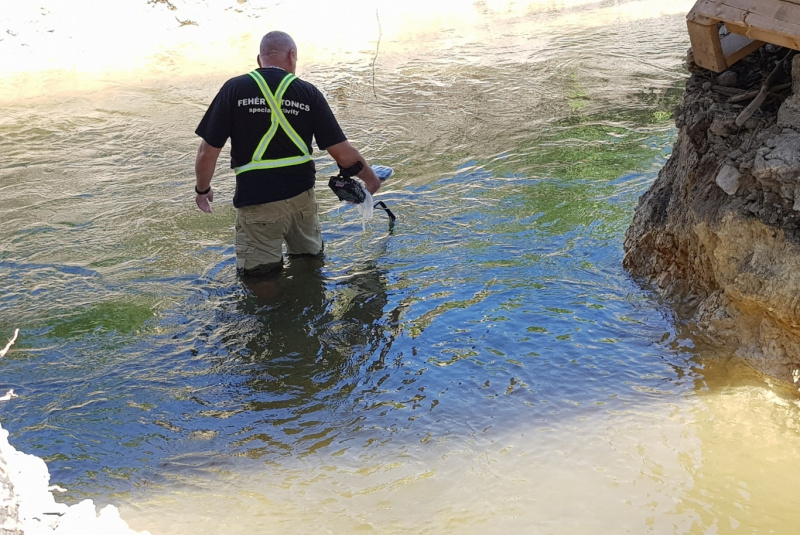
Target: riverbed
<point x="482" y="364"/>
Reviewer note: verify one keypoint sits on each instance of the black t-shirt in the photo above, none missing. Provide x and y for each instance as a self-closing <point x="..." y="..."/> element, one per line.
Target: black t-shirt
<point x="240" y="112"/>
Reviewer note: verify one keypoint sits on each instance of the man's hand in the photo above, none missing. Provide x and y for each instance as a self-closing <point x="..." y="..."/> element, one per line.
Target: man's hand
<point x="203" y="200"/>
<point x="203" y="170"/>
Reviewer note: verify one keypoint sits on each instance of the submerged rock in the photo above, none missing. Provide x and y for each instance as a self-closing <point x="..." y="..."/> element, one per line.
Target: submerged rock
<point x="29" y="508"/>
<point x="717" y="234"/>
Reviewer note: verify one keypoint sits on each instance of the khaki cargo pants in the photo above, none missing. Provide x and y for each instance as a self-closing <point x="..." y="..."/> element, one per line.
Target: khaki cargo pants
<point x="261" y="230"/>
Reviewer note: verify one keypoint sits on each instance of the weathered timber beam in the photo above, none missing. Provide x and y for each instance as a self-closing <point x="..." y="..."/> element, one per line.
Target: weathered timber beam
<point x="787" y="37"/>
<point x="715" y="53"/>
<point x="706" y="46"/>
<point x="739" y="10"/>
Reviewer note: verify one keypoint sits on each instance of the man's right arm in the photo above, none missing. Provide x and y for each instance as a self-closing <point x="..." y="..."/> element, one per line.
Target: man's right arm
<point x="204" y="166"/>
<point x="346" y="155"/>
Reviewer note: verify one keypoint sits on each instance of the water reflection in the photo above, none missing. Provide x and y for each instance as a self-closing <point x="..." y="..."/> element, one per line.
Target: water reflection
<point x="300" y="343"/>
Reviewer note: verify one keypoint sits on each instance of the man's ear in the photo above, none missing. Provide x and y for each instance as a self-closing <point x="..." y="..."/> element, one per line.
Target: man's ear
<point x="258" y="60"/>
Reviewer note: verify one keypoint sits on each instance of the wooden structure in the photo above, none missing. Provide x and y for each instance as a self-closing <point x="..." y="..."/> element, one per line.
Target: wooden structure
<point x="751" y="23"/>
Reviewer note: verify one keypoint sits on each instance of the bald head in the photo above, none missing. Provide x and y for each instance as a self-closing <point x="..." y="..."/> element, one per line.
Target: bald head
<point x="278" y="50"/>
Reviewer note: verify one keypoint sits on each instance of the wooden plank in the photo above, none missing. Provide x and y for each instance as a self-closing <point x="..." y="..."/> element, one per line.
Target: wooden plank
<point x="751" y="23"/>
<point x="721" y="11"/>
<point x="757" y="24"/>
<point x="739" y="10"/>
<point x="787" y="15"/>
<point x="764" y="26"/>
<point x="701" y="20"/>
<point x="706" y="46"/>
<point x="787" y="12"/>
<point x="769" y="30"/>
<point x="767" y="8"/>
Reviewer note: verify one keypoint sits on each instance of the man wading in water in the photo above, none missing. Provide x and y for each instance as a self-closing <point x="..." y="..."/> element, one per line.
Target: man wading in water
<point x="270" y="116"/>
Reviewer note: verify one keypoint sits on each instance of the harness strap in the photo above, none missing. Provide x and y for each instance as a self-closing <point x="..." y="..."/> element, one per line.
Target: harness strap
<point x="277" y="120"/>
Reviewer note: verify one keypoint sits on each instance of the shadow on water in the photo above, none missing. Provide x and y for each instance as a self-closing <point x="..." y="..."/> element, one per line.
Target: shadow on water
<point x="303" y="353"/>
<point x="270" y="369"/>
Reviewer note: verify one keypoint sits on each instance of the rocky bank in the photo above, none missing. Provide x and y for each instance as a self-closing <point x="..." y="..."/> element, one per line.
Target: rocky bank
<point x="717" y="234"/>
<point x="28" y="506"/>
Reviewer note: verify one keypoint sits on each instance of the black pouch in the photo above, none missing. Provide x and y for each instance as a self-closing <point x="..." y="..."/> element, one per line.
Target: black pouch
<point x="346" y="188"/>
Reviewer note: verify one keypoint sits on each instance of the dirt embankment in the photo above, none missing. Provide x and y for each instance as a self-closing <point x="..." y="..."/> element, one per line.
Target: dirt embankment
<point x="717" y="235"/>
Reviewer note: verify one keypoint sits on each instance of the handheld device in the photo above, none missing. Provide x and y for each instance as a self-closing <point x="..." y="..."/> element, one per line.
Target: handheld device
<point x="350" y="190"/>
<point x="345" y="187"/>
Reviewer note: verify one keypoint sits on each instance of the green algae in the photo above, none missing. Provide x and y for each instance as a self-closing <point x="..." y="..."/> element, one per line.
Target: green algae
<point x="123" y="317"/>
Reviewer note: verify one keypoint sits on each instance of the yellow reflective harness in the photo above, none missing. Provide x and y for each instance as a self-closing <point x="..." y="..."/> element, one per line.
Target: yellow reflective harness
<point x="277" y="119"/>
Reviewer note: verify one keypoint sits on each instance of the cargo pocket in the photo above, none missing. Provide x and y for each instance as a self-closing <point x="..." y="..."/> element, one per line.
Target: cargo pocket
<point x="263" y="226"/>
<point x="311" y="225"/>
<point x="259" y="237"/>
<point x="305" y="236"/>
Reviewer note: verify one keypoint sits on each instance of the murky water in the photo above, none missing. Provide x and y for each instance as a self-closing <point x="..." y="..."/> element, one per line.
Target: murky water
<point x="483" y="365"/>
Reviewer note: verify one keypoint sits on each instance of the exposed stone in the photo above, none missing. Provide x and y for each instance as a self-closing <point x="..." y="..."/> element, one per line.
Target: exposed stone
<point x="29" y="507"/>
<point x="778" y="164"/>
<point x="723" y="126"/>
<point x="728" y="179"/>
<point x="789" y="112"/>
<point x="728" y="79"/>
<point x="727" y="258"/>
<point x="9" y="502"/>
